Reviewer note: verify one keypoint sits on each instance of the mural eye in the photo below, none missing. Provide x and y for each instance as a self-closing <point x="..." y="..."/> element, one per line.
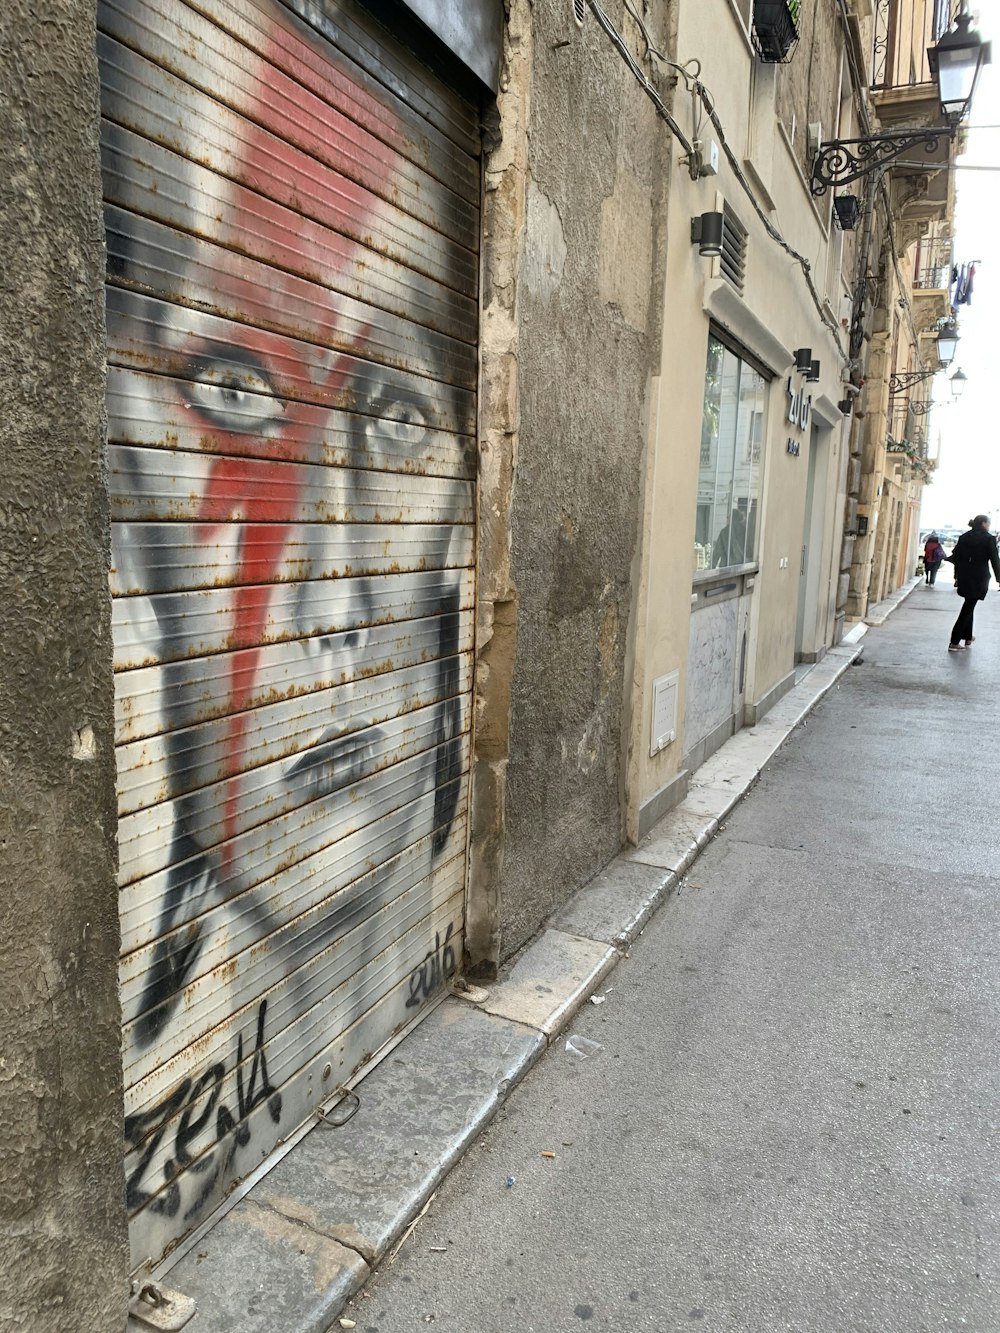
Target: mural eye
<point x="402" y="422"/>
<point x="233" y="394"/>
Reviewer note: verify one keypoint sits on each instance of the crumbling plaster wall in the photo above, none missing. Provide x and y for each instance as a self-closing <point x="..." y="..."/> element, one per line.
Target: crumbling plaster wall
<point x="63" y="1255"/>
<point x="571" y="300"/>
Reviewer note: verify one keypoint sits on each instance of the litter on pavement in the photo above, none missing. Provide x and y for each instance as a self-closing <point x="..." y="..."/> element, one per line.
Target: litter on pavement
<point x="582" y="1047"/>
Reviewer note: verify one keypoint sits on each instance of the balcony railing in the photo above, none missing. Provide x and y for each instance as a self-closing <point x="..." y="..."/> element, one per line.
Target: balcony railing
<point x="904" y="29"/>
<point x="906" y="434"/>
<point x="933" y="267"/>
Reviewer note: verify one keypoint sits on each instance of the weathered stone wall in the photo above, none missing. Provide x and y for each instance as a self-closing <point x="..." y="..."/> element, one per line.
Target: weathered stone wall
<point x="808" y="87"/>
<point x="62" y="1217"/>
<point x="571" y="302"/>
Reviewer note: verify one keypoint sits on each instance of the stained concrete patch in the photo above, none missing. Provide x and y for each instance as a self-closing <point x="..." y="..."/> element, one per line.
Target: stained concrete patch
<point x="740" y="760"/>
<point x="545" y="255"/>
<point x="344" y="1195"/>
<point x="711" y="803"/>
<point x="258" y="1269"/>
<point x="550" y="980"/>
<point x="627" y="247"/>
<point x="675" y="841"/>
<point x="616" y="905"/>
<point x="419" y="1109"/>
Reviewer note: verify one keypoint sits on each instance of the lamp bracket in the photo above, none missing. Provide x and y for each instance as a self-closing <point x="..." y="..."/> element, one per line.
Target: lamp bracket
<point x="921" y="409"/>
<point x="900" y="383"/>
<point x="840" y="161"/>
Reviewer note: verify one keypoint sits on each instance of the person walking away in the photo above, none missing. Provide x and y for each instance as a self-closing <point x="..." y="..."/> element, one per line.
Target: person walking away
<point x="933" y="555"/>
<point x="974" y="553"/>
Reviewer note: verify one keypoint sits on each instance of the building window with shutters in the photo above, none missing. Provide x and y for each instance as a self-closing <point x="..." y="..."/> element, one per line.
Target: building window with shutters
<point x="732" y="435"/>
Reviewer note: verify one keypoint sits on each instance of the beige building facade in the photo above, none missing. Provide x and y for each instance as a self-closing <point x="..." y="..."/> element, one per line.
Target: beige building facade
<point x="785" y="461"/>
<point x="743" y="444"/>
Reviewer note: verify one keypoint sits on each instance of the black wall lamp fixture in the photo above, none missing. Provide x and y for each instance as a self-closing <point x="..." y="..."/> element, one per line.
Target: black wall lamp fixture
<point x="848" y="210"/>
<point x="706" y="233"/>
<point x="803" y="360"/>
<point x="956" y="62"/>
<point x="813" y="376"/>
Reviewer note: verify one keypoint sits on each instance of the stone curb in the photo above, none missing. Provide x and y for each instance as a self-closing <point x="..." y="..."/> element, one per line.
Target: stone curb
<point x="880" y="613"/>
<point x="290" y="1255"/>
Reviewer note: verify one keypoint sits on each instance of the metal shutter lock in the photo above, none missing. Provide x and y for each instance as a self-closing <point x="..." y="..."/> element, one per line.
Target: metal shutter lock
<point x="159" y="1307"/>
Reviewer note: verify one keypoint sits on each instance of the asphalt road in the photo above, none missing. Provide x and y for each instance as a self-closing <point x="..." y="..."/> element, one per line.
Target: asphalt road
<point x="792" y="1122"/>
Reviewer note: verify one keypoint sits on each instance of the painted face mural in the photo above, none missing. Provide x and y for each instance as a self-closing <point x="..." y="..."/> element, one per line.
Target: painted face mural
<point x="291" y="326"/>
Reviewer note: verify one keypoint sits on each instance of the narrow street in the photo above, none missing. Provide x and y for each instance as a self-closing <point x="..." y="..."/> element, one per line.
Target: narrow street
<point x="791" y="1122"/>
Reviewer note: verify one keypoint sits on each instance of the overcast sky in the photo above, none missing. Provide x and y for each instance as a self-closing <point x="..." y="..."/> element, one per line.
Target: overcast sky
<point x="967" y="481"/>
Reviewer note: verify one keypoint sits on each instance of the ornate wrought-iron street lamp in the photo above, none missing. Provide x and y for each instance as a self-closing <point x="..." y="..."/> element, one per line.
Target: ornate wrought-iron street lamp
<point x="956" y="62"/>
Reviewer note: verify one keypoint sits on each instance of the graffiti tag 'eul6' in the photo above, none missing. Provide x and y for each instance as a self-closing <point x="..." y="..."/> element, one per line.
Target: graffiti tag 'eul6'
<point x="438" y="967"/>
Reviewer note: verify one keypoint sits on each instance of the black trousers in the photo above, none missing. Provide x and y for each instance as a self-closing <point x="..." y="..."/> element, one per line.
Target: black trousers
<point x="962" y="629"/>
<point x="932" y="571"/>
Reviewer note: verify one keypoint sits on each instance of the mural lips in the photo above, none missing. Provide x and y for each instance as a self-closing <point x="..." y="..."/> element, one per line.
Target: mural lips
<point x="335" y="763"/>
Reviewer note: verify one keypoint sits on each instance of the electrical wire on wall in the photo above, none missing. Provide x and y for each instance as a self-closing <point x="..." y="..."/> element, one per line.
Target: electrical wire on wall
<point x="700" y="93"/>
<point x="622" y="47"/>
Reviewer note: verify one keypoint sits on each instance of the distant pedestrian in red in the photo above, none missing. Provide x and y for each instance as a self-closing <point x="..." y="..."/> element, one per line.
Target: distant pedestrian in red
<point x="933" y="555"/>
<point x="974" y="553"/>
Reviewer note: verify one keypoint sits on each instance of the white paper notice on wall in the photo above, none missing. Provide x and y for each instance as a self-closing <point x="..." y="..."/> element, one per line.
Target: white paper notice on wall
<point x="664" y="712"/>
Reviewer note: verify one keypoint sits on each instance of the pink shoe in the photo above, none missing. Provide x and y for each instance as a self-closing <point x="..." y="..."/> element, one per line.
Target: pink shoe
<point x="956" y="647"/>
<point x="968" y="641"/>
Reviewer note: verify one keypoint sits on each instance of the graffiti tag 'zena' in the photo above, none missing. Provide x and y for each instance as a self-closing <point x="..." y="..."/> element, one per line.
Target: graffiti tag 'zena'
<point x="202" y="1115"/>
<point x="437" y="967"/>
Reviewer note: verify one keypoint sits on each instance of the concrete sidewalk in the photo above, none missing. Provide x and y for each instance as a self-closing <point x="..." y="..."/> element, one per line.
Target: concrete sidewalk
<point x="288" y="1256"/>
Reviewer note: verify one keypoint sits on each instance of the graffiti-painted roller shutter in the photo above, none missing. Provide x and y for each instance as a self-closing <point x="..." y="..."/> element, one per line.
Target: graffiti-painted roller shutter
<point x="292" y="210"/>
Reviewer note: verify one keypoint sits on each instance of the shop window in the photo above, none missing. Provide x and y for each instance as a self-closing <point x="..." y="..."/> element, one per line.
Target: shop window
<point x="732" y="438"/>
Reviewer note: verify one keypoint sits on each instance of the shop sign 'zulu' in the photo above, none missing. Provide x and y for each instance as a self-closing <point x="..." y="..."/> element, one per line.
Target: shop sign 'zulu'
<point x="798" y="414"/>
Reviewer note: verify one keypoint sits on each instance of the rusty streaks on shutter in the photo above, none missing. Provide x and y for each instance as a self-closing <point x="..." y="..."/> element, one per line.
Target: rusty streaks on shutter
<point x="292" y="218"/>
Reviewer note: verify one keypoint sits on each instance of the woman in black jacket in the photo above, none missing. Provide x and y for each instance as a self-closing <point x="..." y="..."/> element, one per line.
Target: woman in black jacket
<point x="974" y="553"/>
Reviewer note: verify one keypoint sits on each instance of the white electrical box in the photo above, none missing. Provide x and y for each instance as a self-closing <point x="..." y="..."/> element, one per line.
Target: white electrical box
<point x="664" y="712"/>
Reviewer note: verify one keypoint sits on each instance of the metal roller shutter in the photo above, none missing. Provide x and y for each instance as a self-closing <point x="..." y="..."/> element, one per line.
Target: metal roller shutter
<point x="292" y="209"/>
